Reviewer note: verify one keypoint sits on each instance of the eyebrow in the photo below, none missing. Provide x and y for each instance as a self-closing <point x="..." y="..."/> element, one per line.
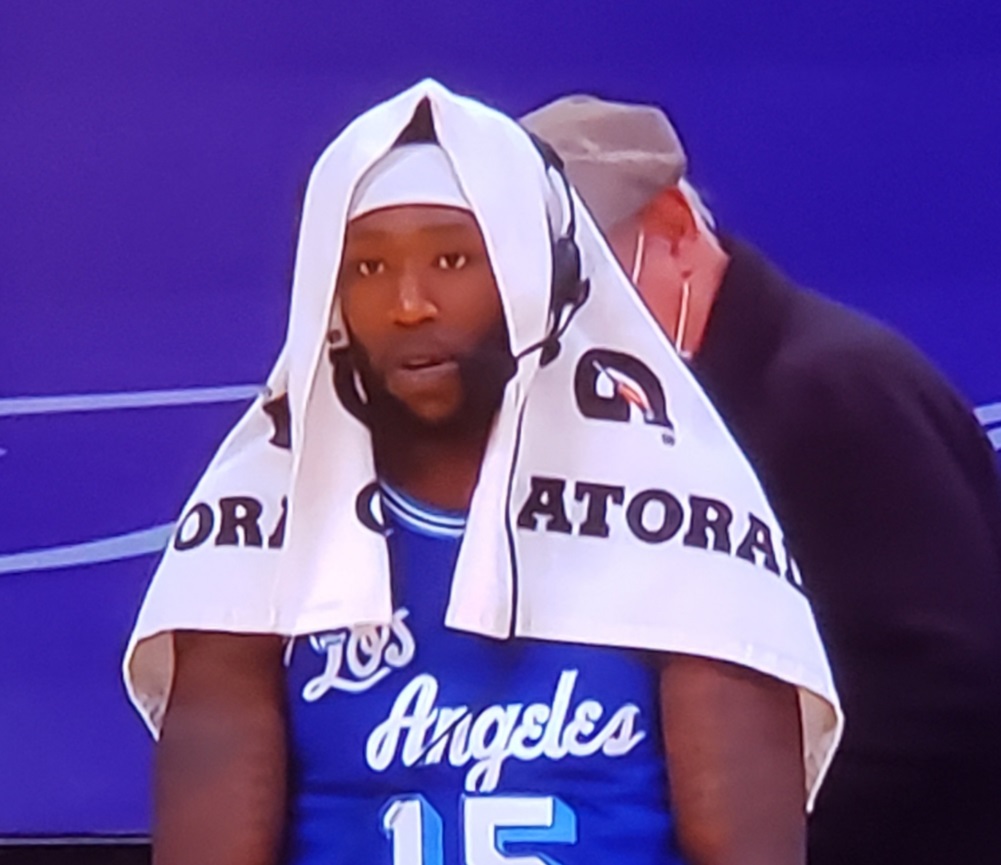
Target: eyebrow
<point x="441" y="228"/>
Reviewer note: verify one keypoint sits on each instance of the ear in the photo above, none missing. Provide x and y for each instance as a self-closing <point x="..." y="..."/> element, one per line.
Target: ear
<point x="668" y="223"/>
<point x="337" y="329"/>
<point x="670" y="216"/>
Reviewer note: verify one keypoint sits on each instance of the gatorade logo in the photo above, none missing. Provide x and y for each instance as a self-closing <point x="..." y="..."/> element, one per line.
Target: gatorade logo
<point x="610" y="385"/>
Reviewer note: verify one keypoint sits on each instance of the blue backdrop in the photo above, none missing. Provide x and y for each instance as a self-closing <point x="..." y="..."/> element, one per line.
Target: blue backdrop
<point x="151" y="159"/>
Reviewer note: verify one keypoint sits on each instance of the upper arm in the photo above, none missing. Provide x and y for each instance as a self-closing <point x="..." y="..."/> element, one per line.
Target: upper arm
<point x="220" y="776"/>
<point x="734" y="750"/>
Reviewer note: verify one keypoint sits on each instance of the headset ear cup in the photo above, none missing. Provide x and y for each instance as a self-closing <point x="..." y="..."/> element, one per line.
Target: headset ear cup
<point x="569" y="290"/>
<point x="566" y="289"/>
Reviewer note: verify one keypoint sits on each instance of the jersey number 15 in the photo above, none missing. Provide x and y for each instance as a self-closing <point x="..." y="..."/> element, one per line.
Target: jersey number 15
<point x="490" y="825"/>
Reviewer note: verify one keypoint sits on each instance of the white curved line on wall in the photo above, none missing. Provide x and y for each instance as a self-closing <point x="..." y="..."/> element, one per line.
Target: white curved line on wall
<point x="990" y="417"/>
<point x="116" y="547"/>
<point x="111" y="549"/>
<point x="989" y="414"/>
<point x="24" y="405"/>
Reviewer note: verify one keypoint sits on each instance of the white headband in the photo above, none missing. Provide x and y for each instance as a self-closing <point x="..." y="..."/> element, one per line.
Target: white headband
<point x="408" y="174"/>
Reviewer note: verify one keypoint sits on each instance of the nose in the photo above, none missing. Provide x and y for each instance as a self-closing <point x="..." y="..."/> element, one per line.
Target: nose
<point x="413" y="306"/>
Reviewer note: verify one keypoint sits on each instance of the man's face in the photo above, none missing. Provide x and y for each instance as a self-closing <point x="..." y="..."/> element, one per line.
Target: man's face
<point x="420" y="301"/>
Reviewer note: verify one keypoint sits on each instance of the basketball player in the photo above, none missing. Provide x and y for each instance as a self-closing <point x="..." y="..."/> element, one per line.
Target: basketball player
<point x="415" y="744"/>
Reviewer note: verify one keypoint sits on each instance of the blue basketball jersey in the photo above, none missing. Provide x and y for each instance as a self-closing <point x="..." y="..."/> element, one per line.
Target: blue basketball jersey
<point x="414" y="744"/>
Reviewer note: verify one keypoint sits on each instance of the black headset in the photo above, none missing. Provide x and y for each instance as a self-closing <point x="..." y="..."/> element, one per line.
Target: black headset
<point x="569" y="290"/>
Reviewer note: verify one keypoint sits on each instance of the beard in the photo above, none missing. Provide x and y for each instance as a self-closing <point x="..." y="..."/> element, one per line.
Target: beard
<point x="483" y="371"/>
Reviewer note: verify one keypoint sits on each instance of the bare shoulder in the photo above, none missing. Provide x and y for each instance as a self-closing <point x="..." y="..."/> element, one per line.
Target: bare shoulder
<point x="216" y="666"/>
<point x="221" y="768"/>
<point x="733" y="743"/>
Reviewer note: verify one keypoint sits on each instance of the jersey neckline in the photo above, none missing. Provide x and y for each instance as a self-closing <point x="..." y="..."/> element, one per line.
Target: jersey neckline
<point x="420" y="516"/>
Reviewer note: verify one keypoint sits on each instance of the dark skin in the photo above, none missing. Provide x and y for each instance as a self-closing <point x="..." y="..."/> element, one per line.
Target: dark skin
<point x="221" y="764"/>
<point x="419" y="300"/>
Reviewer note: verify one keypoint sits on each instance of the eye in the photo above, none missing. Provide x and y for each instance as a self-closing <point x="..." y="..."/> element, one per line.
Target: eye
<point x="452" y="261"/>
<point x="370" y="267"/>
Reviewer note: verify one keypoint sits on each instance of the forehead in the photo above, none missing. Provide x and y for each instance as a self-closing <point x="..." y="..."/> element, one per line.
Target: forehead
<point x="412" y="220"/>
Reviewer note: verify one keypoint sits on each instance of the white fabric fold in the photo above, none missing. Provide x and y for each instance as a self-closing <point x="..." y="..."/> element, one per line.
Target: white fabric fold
<point x="410" y="174"/>
<point x="613" y="506"/>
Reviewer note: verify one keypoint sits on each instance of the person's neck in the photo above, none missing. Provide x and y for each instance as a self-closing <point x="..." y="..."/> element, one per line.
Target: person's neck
<point x="439" y="470"/>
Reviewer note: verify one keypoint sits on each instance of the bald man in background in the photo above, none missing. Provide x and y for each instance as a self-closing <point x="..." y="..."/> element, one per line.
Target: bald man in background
<point x="883" y="480"/>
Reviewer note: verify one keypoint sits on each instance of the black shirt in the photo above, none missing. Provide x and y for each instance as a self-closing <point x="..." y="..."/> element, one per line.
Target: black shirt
<point x="889" y="494"/>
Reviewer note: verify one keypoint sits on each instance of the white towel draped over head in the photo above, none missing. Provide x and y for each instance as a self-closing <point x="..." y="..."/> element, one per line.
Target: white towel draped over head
<point x="613" y="506"/>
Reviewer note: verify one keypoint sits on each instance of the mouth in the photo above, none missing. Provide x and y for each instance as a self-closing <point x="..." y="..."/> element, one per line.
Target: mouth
<point x="420" y="363"/>
<point x="425" y="370"/>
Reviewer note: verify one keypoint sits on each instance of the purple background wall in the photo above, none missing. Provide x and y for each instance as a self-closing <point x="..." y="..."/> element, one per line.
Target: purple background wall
<point x="151" y="156"/>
